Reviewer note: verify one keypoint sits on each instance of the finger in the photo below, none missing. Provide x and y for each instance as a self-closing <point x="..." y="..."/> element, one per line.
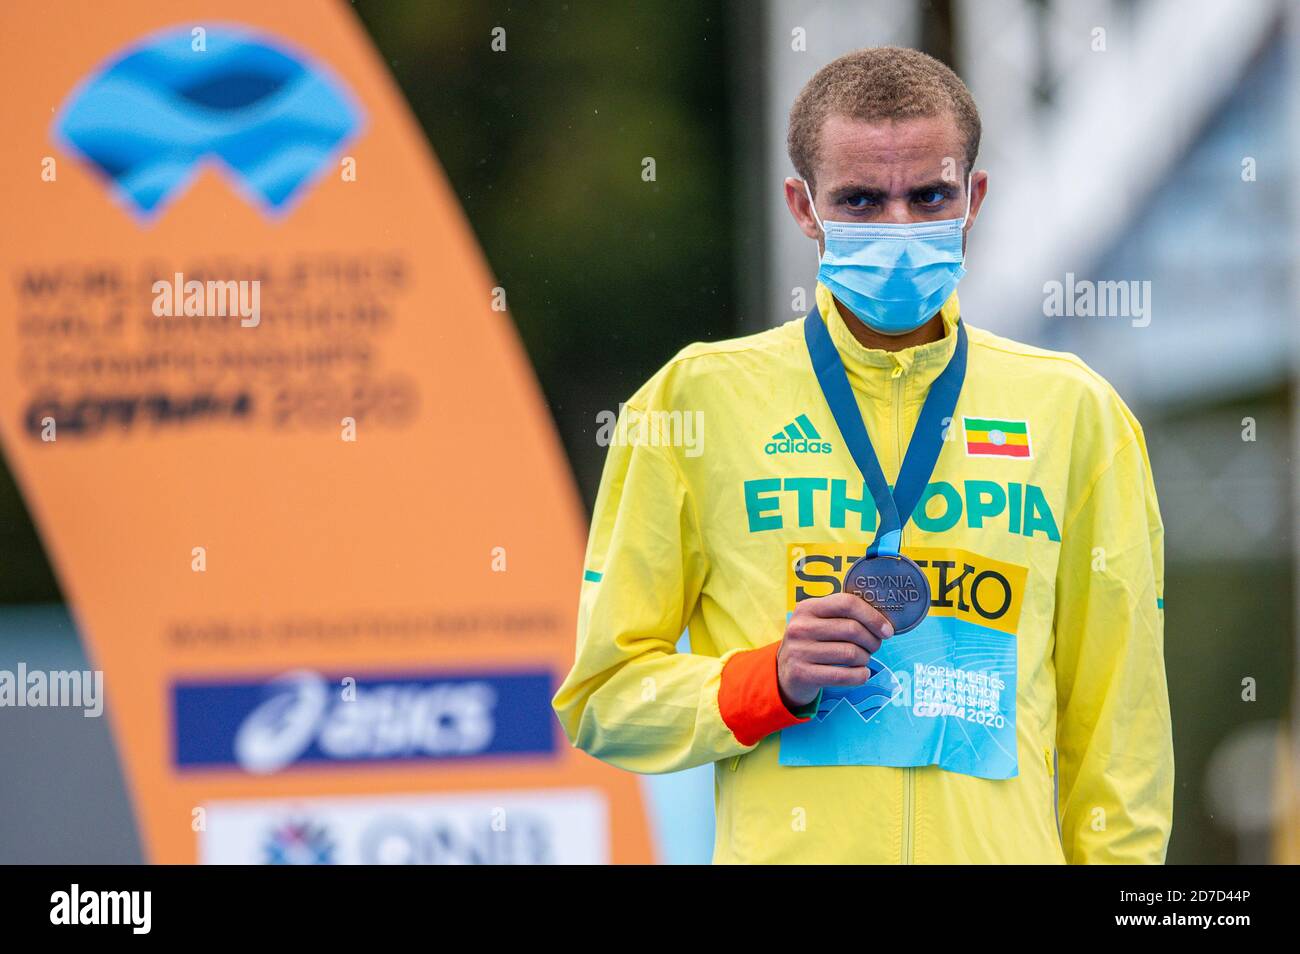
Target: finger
<point x="837" y="675"/>
<point x="842" y="630"/>
<point x="854" y="607"/>
<point x="837" y="653"/>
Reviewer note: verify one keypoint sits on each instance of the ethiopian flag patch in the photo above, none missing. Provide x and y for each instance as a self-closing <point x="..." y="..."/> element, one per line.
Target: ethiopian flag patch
<point x="989" y="437"/>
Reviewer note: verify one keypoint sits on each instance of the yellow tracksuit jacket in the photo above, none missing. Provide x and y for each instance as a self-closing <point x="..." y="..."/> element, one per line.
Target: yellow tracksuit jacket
<point x="1037" y="731"/>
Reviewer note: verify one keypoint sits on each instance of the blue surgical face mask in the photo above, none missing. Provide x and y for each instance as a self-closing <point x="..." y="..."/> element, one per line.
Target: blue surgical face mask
<point x="894" y="277"/>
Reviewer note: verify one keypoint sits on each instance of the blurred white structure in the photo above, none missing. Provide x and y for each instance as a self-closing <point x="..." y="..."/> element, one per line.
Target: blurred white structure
<point x="1091" y="109"/>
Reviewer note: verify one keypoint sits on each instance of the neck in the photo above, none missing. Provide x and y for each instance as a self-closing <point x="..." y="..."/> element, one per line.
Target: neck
<point x="932" y="330"/>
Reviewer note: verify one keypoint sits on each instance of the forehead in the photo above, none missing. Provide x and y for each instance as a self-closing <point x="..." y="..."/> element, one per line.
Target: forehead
<point x="888" y="153"/>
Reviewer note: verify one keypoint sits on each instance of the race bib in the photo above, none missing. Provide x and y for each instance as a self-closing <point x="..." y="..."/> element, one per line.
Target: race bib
<point x="942" y="694"/>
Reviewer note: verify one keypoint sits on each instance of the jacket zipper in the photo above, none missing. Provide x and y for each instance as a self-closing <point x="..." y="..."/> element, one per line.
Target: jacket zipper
<point x="909" y="774"/>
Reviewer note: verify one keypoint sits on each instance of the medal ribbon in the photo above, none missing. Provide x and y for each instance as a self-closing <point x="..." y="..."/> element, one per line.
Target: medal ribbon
<point x="922" y="451"/>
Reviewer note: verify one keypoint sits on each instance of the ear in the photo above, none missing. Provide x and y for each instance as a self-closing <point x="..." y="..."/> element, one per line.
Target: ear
<point x="797" y="200"/>
<point x="979" y="187"/>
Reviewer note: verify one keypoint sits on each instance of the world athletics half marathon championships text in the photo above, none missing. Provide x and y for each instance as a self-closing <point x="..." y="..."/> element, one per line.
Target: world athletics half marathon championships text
<point x="363" y="628"/>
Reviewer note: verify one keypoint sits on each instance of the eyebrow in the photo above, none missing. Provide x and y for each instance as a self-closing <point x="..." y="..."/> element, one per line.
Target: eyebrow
<point x="840" y="193"/>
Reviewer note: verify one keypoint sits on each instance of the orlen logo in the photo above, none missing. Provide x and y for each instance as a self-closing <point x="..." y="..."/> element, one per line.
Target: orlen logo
<point x="304" y="718"/>
<point x="398" y="839"/>
<point x="798" y="437"/>
<point x="564" y="826"/>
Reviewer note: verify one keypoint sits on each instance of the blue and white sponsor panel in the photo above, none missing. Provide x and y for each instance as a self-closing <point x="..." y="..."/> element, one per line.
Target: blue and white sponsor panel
<point x="524" y="827"/>
<point x="305" y="718"/>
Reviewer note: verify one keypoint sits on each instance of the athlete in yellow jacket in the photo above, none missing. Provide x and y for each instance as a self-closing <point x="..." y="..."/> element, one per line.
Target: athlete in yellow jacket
<point x="1025" y="719"/>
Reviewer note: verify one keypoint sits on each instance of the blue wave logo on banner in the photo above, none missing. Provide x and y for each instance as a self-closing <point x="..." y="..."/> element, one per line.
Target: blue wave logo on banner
<point x="151" y="118"/>
<point x="867" y="699"/>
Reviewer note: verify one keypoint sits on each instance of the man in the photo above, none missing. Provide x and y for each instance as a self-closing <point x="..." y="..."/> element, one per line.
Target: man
<point x="921" y="566"/>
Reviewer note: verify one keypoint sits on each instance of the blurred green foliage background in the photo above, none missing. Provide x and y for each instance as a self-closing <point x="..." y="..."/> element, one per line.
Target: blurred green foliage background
<point x="606" y="275"/>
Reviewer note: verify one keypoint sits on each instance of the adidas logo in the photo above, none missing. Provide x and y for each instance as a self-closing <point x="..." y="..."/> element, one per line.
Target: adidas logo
<point x="799" y="437"/>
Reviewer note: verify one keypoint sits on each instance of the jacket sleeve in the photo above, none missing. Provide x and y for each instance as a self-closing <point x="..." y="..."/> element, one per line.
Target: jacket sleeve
<point x="1114" y="739"/>
<point x="631" y="699"/>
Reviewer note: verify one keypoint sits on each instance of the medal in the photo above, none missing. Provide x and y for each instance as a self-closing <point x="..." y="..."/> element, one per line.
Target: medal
<point x="884" y="577"/>
<point x="894" y="585"/>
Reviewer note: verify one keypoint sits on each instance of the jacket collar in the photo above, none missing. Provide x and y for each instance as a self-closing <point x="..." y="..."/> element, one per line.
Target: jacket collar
<point x="875" y="370"/>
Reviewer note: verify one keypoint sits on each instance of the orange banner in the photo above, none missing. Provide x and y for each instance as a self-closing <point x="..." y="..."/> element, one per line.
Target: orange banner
<point x="284" y="450"/>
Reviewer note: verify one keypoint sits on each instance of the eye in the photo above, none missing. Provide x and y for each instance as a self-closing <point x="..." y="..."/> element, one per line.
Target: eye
<point x="859" y="201"/>
<point x="931" y="198"/>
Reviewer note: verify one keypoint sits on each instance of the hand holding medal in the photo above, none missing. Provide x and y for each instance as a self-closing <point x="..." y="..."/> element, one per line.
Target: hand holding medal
<point x="828" y="644"/>
<point x="886" y="579"/>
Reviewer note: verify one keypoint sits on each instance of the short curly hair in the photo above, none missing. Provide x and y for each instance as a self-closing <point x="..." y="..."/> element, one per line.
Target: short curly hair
<point x="882" y="82"/>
